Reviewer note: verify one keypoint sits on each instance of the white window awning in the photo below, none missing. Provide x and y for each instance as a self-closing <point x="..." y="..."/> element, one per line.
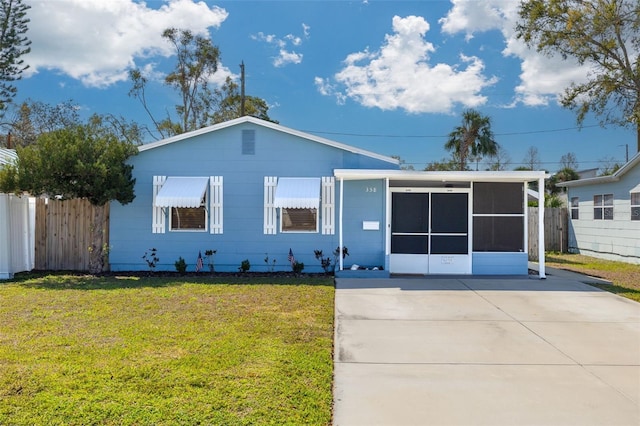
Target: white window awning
<point x="182" y="192"/>
<point x="298" y="193"/>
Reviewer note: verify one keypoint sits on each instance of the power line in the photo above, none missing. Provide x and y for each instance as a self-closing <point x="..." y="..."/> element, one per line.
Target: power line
<point x="373" y="135"/>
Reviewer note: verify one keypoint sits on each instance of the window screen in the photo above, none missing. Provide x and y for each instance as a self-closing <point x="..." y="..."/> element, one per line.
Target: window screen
<point x="575" y="204"/>
<point x="498" y="233"/>
<point x="299" y="220"/>
<point x="188" y="219"/>
<point x="635" y="206"/>
<point x="498" y="198"/>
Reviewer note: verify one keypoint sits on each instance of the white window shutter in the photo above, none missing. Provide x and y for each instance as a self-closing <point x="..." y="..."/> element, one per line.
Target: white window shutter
<point x="158" y="218"/>
<point x="215" y="205"/>
<point x="270" y="216"/>
<point x="328" y="205"/>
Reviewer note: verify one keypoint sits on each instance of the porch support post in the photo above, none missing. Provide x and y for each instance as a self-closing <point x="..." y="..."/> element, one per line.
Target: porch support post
<point x="541" y="265"/>
<point x="340" y="220"/>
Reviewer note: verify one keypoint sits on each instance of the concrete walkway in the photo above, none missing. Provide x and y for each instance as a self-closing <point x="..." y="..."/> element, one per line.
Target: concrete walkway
<point x="484" y="351"/>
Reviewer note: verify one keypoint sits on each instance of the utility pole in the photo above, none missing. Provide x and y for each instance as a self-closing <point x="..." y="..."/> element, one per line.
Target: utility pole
<point x="242" y="89"/>
<point x="626" y="156"/>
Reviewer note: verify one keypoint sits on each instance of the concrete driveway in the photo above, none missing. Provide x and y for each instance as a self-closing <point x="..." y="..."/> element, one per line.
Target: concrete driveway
<point x="484" y="351"/>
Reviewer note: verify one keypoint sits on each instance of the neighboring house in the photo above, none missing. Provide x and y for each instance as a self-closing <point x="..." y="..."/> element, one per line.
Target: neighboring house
<point x="605" y="214"/>
<point x="17" y="227"/>
<point x="253" y="190"/>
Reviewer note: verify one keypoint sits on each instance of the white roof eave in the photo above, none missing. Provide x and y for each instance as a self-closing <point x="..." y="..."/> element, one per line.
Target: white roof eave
<point x="450" y="176"/>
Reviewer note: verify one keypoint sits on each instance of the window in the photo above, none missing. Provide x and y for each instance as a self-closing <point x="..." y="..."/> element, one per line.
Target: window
<point x="635" y="206"/>
<point x="189" y="203"/>
<point x="575" y="203"/>
<point x="299" y="220"/>
<point x="299" y="205"/>
<point x="188" y="218"/>
<point x="603" y="207"/>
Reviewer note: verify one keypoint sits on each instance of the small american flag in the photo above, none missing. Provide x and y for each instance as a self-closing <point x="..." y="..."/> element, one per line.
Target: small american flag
<point x="199" y="262"/>
<point x="292" y="259"/>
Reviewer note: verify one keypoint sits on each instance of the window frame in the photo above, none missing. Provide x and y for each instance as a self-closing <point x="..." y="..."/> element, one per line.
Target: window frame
<point x="575" y="208"/>
<point x="603" y="207"/>
<point x="316" y="213"/>
<point x="635" y="206"/>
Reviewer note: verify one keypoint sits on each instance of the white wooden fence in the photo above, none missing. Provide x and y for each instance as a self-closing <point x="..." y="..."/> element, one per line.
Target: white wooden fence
<point x="17" y="230"/>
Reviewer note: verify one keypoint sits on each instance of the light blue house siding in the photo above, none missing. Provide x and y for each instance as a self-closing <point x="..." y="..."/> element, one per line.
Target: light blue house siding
<point x="218" y="151"/>
<point x="616" y="238"/>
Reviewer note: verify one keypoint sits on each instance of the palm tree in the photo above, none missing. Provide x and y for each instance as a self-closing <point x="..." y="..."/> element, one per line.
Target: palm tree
<point x="474" y="137"/>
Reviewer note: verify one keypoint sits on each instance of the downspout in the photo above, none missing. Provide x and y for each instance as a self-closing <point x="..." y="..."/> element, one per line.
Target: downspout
<point x="340" y="220"/>
<point x="541" y="265"/>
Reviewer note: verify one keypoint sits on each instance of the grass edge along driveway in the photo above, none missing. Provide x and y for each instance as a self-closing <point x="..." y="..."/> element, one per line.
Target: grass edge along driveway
<point x="127" y="350"/>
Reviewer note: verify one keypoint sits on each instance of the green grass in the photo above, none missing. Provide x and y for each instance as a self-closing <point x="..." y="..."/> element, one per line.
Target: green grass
<point x="151" y="351"/>
<point x="625" y="277"/>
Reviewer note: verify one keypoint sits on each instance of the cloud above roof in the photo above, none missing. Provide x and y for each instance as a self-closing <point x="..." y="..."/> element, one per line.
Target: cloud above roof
<point x="400" y="75"/>
<point x="542" y="78"/>
<point x="97" y="41"/>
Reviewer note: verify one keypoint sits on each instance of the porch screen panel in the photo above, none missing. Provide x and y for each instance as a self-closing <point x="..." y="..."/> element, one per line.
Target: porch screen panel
<point x="410" y="223"/>
<point x="449" y="213"/>
<point x="498" y="198"/>
<point x="498" y="233"/>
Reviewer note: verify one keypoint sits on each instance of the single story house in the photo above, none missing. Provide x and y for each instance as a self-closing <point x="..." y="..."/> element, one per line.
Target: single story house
<point x="258" y="191"/>
<point x="17" y="227"/>
<point x="605" y="214"/>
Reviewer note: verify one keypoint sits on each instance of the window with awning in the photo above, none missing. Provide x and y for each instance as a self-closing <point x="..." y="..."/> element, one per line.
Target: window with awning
<point x="192" y="203"/>
<point x="298" y="200"/>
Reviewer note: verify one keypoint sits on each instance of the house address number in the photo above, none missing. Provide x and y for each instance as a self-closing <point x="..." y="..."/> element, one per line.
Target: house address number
<point x="371" y="189"/>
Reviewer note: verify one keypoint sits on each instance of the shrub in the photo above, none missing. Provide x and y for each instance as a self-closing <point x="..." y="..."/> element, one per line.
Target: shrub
<point x="297" y="267"/>
<point x="245" y="265"/>
<point x="181" y="265"/>
<point x="151" y="257"/>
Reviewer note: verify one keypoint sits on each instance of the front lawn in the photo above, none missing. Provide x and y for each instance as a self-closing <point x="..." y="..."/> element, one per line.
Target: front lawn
<point x="624" y="276"/>
<point x="154" y="351"/>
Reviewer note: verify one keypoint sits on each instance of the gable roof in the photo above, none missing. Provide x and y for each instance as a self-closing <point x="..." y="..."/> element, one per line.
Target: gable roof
<point x="8" y="156"/>
<point x="635" y="160"/>
<point x="269" y="125"/>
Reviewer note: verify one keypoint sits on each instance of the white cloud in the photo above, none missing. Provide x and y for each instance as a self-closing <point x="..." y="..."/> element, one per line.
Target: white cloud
<point x="284" y="55"/>
<point x="542" y="78"/>
<point x="97" y="41"/>
<point x="399" y="75"/>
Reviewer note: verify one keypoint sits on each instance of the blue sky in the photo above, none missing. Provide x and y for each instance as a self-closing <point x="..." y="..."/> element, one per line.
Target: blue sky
<point x="388" y="76"/>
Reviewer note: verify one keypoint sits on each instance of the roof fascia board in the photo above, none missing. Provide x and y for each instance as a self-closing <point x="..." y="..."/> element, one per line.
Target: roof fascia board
<point x="269" y="125"/>
<point x="451" y="176"/>
<point x="604" y="179"/>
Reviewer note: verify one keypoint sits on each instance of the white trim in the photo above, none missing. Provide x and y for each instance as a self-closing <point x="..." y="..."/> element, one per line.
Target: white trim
<point x="270" y="212"/>
<point x="328" y="205"/>
<point x="448" y="176"/>
<point x="340" y="237"/>
<point x="158" y="215"/>
<point x="216" y="213"/>
<point x="541" y="260"/>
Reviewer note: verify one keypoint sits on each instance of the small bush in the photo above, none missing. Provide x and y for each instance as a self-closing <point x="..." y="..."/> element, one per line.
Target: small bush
<point x="181" y="265"/>
<point x="297" y="267"/>
<point x="151" y="257"/>
<point x="245" y="265"/>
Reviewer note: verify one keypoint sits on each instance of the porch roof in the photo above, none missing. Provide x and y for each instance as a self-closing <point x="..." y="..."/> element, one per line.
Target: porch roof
<point x="450" y="176"/>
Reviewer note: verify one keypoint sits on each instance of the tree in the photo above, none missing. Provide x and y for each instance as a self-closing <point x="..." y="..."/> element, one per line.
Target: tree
<point x="569" y="161"/>
<point x="531" y="160"/>
<point x="81" y="161"/>
<point x="403" y="163"/>
<point x="563" y="175"/>
<point x="500" y="160"/>
<point x="442" y="165"/>
<point x="13" y="45"/>
<point x="227" y="102"/>
<point x="473" y="137"/>
<point x="603" y="34"/>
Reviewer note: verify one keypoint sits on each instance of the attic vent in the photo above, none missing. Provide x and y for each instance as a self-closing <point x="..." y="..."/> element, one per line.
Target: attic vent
<point x="248" y="142"/>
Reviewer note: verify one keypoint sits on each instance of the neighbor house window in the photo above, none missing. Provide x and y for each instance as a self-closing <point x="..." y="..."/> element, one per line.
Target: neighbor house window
<point x="603" y="207"/>
<point x="635" y="206"/>
<point x="575" y="203"/>
<point x="299" y="220"/>
<point x="189" y="218"/>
